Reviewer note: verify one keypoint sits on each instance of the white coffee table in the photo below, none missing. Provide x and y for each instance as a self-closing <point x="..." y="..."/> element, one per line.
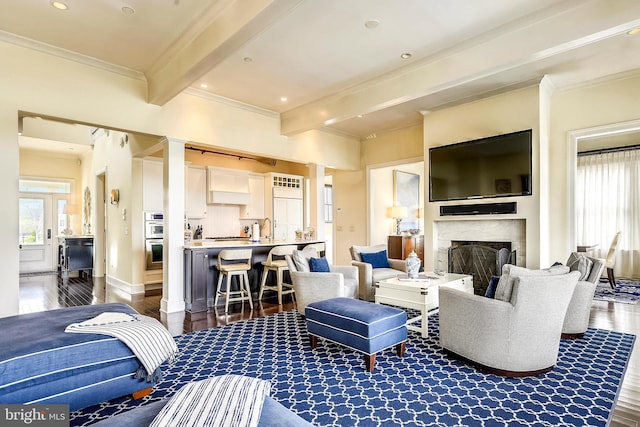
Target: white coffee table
<point x="421" y="295"/>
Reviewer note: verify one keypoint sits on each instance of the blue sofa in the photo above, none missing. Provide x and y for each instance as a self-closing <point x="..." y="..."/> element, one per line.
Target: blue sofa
<point x="40" y="363"/>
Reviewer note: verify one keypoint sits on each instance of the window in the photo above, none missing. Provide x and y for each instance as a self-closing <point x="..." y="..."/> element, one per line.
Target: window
<point x="30" y="185"/>
<point x="31" y="221"/>
<point x="328" y="203"/>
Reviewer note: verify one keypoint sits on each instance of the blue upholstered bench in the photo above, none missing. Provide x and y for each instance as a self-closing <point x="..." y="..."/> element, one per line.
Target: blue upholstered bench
<point x="40" y="363"/>
<point x="360" y="325"/>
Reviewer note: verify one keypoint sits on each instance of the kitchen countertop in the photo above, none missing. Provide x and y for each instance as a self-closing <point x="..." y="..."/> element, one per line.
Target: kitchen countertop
<point x="212" y="243"/>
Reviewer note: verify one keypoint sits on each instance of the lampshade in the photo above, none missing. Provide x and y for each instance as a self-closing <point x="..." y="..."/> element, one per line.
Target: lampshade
<point x="71" y="209"/>
<point x="397" y="212"/>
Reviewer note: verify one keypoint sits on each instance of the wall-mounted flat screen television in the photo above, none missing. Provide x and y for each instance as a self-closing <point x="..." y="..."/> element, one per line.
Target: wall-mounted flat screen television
<point x="496" y="166"/>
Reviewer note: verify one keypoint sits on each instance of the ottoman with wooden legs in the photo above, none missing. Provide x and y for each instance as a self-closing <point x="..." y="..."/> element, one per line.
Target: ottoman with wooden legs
<point x="360" y="325"/>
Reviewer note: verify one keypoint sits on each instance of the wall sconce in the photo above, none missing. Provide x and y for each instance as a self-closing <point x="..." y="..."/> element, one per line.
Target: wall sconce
<point x="397" y="213"/>
<point x="115" y="196"/>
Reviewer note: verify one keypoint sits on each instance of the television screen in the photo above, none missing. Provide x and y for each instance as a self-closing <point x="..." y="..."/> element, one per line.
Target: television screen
<point x="496" y="166"/>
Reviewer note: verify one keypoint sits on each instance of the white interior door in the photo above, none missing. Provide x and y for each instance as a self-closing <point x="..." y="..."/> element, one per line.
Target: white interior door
<point x="37" y="233"/>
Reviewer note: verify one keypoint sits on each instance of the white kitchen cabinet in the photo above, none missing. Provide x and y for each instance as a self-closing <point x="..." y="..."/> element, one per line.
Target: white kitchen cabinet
<point x="152" y="184"/>
<point x="255" y="208"/>
<point x="287" y="218"/>
<point x="196" y="192"/>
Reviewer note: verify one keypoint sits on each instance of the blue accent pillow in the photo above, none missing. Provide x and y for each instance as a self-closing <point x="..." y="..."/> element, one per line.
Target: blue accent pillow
<point x="376" y="259"/>
<point x="491" y="289"/>
<point x="319" y="265"/>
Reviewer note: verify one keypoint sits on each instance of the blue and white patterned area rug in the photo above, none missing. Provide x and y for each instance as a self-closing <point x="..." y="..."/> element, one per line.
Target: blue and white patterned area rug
<point x="626" y="291"/>
<point x="328" y="386"/>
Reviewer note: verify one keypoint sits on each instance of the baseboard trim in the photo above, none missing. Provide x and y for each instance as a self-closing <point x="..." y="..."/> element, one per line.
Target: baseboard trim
<point x="130" y="288"/>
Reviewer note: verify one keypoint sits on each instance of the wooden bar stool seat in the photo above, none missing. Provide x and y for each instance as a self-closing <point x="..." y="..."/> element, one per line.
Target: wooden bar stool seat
<point x="275" y="262"/>
<point x="234" y="263"/>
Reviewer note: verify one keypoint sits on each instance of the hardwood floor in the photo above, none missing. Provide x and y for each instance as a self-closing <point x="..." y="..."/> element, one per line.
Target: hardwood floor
<point x="48" y="291"/>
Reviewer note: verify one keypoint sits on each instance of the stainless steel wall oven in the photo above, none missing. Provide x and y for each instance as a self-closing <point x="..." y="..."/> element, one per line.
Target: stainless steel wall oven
<point x="153" y="234"/>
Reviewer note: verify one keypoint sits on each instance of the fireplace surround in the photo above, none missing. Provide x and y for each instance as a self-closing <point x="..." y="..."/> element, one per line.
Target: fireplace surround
<point x="481" y="260"/>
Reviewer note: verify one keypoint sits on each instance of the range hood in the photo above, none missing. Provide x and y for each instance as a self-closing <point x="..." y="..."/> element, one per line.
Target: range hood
<point x="227" y="186"/>
<point x="229" y="198"/>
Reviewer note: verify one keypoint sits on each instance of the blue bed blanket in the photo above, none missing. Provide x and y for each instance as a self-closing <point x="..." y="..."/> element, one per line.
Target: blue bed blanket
<point x="34" y="349"/>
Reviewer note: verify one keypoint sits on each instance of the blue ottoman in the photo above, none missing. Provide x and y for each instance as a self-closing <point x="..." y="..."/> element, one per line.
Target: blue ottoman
<point x="360" y="325"/>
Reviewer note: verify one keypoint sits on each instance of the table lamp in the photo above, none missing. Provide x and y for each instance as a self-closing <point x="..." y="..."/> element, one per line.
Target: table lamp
<point x="397" y="213"/>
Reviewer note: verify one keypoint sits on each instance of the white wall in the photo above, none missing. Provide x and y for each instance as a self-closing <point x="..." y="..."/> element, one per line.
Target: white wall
<point x="510" y="112"/>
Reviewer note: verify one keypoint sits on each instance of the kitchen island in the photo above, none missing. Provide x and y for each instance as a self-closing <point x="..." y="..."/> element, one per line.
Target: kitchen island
<point x="201" y="258"/>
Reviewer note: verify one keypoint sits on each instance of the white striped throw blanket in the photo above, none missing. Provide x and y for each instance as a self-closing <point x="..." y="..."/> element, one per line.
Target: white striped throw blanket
<point x="145" y="336"/>
<point x="224" y="401"/>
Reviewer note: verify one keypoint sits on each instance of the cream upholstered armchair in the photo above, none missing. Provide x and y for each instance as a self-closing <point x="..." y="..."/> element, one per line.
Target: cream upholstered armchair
<point x="576" y="321"/>
<point x="517" y="333"/>
<point x="309" y="286"/>
<point x="370" y="274"/>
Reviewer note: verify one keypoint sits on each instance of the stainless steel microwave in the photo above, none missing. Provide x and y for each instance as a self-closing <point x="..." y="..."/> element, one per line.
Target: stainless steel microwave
<point x="153" y="229"/>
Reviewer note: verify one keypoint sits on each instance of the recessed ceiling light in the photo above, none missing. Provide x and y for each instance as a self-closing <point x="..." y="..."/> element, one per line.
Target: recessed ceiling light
<point x="405" y="56"/>
<point x="371" y="24"/>
<point x="634" y="31"/>
<point x="59" y="5"/>
<point x="360" y="116"/>
<point x="128" y="10"/>
<point x="247" y="59"/>
<point x="283" y="99"/>
<point x="204" y="85"/>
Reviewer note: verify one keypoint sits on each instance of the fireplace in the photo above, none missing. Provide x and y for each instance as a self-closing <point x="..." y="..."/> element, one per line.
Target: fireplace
<point x="480" y="259"/>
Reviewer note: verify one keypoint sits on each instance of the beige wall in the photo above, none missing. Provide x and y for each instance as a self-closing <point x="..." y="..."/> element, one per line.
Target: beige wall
<point x="603" y="103"/>
<point x="389" y="147"/>
<point x="352" y="220"/>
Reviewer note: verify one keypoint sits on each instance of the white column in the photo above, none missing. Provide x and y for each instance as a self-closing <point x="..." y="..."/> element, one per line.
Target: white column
<point x="173" y="248"/>
<point x="316" y="199"/>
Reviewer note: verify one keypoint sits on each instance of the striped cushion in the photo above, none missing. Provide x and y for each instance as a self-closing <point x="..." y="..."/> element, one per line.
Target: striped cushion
<point x="227" y="400"/>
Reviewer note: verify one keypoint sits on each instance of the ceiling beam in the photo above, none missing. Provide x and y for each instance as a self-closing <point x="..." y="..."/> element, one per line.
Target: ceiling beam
<point x="534" y="39"/>
<point x="234" y="25"/>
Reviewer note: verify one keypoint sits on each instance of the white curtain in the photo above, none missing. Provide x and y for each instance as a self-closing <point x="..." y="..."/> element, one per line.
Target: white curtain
<point x="608" y="201"/>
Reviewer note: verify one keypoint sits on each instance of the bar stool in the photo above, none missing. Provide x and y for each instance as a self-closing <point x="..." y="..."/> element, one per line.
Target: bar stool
<point x="319" y="247"/>
<point x="238" y="269"/>
<point x="279" y="266"/>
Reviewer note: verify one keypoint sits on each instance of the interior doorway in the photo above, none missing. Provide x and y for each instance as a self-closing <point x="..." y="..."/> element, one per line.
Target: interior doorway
<point x="45" y="213"/>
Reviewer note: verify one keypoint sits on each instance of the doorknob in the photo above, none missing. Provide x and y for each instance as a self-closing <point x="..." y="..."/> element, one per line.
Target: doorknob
<point x="48" y="233"/>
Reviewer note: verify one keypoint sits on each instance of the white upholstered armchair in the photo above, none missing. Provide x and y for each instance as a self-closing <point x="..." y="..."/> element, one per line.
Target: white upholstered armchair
<point x="518" y="332"/>
<point x="340" y="281"/>
<point x="576" y="321"/>
<point x="368" y="275"/>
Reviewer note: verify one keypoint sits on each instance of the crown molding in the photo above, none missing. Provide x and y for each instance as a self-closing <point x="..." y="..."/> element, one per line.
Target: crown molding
<point x="231" y="102"/>
<point x="69" y="55"/>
